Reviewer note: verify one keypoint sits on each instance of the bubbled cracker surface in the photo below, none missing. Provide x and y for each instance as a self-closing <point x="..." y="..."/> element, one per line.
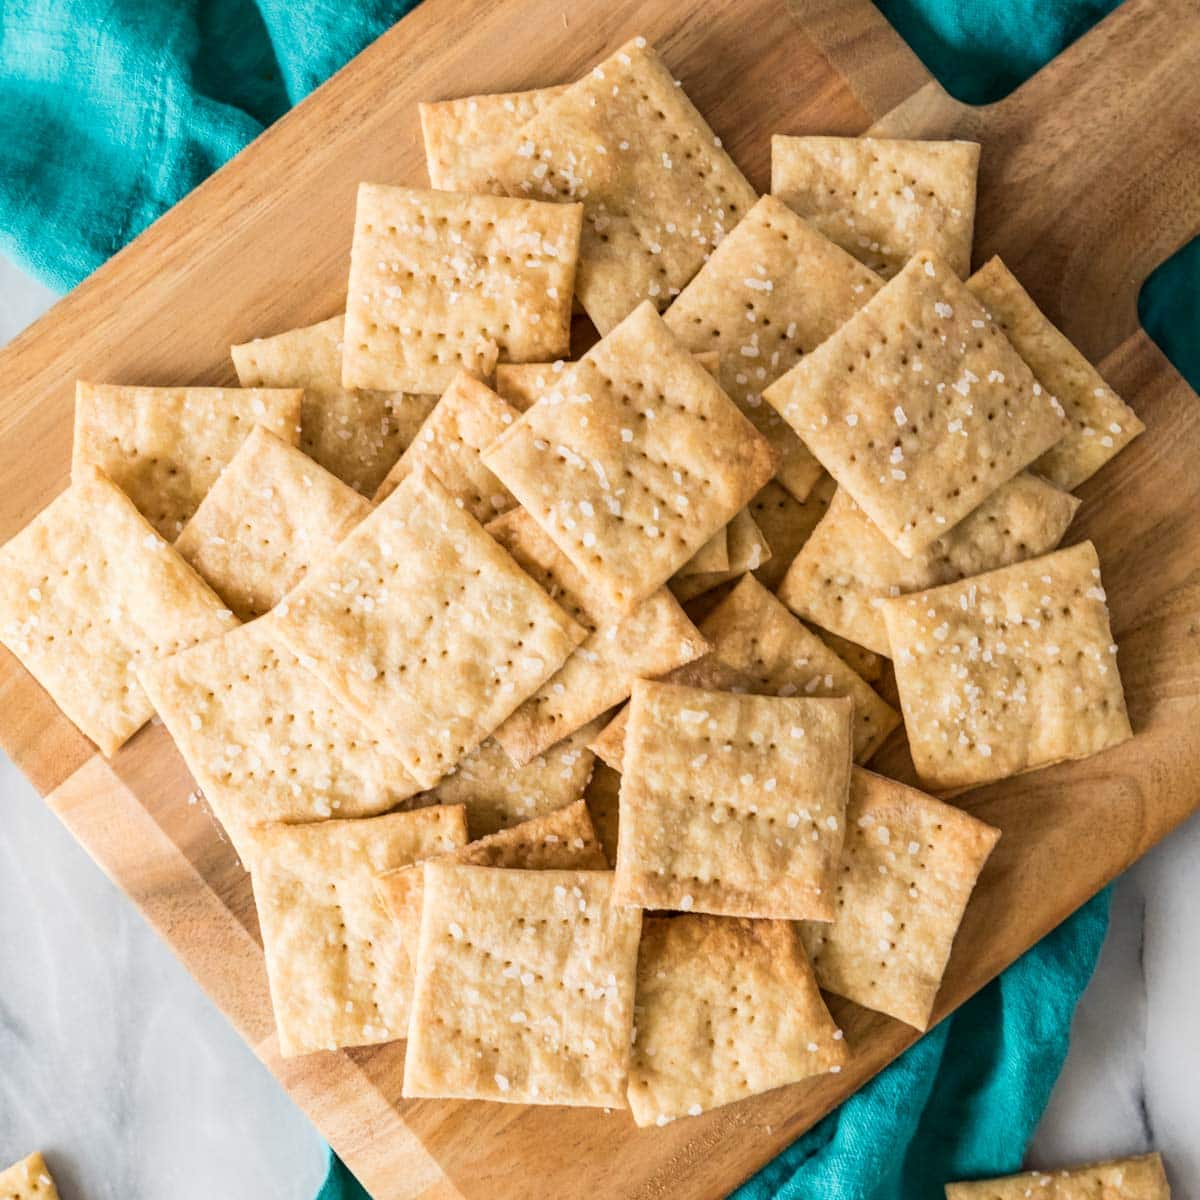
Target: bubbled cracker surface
<point x="847" y="567"/>
<point x="1008" y="671"/>
<point x="787" y="524"/>
<point x="726" y="1008"/>
<point x="496" y="794"/>
<point x="919" y="406"/>
<point x="165" y="446"/>
<point x="561" y="840"/>
<point x="1138" y="1178"/>
<point x="88" y="594"/>
<point x="633" y="461"/>
<point x="426" y="628"/>
<point x="339" y="976"/>
<point x="265" y="740"/>
<point x="464" y="136"/>
<point x="1101" y="422"/>
<point x="752" y="632"/>
<point x="524" y="989"/>
<point x="732" y="804"/>
<point x="880" y="199"/>
<point x="465" y="421"/>
<point x="909" y="864"/>
<point x="772" y="291"/>
<point x="659" y="193"/>
<point x="267" y="519"/>
<point x="655" y="638"/>
<point x="442" y="282"/>
<point x="28" y="1180"/>
<point x="355" y="434"/>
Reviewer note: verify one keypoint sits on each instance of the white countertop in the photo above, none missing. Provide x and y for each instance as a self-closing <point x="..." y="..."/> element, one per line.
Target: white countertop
<point x="114" y="1062"/>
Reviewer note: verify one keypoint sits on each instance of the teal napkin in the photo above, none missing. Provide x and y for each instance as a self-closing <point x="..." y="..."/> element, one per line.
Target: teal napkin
<point x="112" y="110"/>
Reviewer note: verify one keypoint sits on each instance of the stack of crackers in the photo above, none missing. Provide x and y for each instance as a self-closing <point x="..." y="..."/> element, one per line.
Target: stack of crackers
<point x="396" y="594"/>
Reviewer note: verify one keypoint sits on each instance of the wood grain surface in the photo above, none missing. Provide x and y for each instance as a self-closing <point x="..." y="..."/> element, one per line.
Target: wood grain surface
<point x="1088" y="180"/>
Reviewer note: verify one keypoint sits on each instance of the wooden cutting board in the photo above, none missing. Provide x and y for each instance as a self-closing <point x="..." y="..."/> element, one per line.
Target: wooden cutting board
<point x="1089" y="179"/>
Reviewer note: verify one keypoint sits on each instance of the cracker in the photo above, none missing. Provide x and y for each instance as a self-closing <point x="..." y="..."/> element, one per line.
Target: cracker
<point x="264" y="740"/>
<point x="442" y="282"/>
<point x="919" y="406"/>
<point x="862" y="661"/>
<point x="1008" y="671"/>
<point x="28" y="1180"/>
<point x="752" y="632"/>
<point x="524" y="384"/>
<point x="882" y="199"/>
<point x="658" y="191"/>
<point x="466" y="420"/>
<point x="709" y="673"/>
<point x="726" y="1008"/>
<point x="732" y="804"/>
<point x="1101" y="422"/>
<point x="655" y="638"/>
<point x="88" y="593"/>
<point x="663" y="461"/>
<point x="338" y="974"/>
<point x="603" y="803"/>
<point x="165" y="446"/>
<point x="909" y="864"/>
<point x="712" y="557"/>
<point x="747" y="548"/>
<point x="772" y="291"/>
<point x="425" y="628"/>
<point x="271" y="514"/>
<point x="524" y="989"/>
<point x="847" y="566"/>
<point x="355" y="435"/>
<point x="498" y="795"/>
<point x="463" y="137"/>
<point x="1141" y="1177"/>
<point x="558" y="841"/>
<point x="786" y="523"/>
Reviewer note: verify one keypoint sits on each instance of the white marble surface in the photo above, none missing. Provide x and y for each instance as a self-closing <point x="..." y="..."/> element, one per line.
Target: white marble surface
<point x="113" y="1060"/>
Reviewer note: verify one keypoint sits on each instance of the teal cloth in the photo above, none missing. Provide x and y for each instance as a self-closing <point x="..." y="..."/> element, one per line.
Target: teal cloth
<point x="112" y="110"/>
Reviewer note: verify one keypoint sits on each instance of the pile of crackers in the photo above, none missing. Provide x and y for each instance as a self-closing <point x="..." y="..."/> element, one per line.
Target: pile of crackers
<point x="535" y="693"/>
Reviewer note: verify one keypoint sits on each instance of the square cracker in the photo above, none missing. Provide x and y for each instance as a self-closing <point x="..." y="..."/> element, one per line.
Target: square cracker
<point x="882" y="199"/>
<point x="655" y="638"/>
<point x="847" y="566"/>
<point x="787" y="524"/>
<point x="462" y="137"/>
<point x="726" y="1008"/>
<point x="713" y="556"/>
<point x="165" y="446"/>
<point x="732" y="804"/>
<point x="559" y="841"/>
<point x="498" y="795"/>
<point x="426" y="628"/>
<point x="339" y="976"/>
<point x="773" y="290"/>
<point x="633" y="462"/>
<point x="658" y="191"/>
<point x="1009" y="671"/>
<point x="28" y="1180"/>
<point x="524" y="989"/>
<point x="1141" y="1177"/>
<point x="88" y="593"/>
<point x="355" y="435"/>
<point x="919" y="406"/>
<point x="442" y="282"/>
<point x="267" y="519"/>
<point x="1101" y="422"/>
<point x="466" y="420"/>
<point x="909" y="864"/>
<point x="265" y="740"/>
<point x="758" y="647"/>
<point x="524" y="384"/>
